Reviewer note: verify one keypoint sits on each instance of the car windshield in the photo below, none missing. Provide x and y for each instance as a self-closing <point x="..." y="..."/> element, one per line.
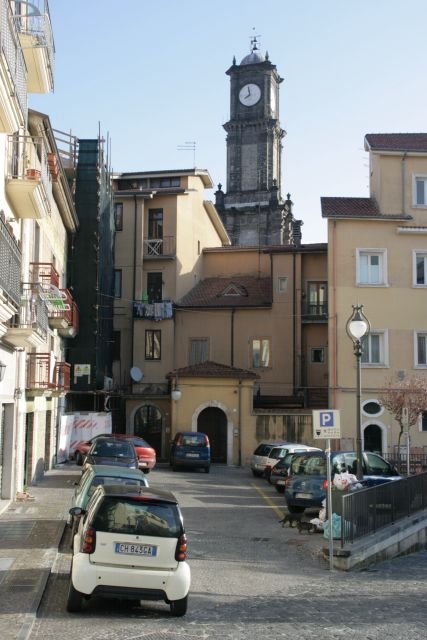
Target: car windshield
<point x="118" y="514"/>
<point x="132" y="483"/>
<point x="309" y="465"/>
<point x="278" y="452"/>
<point x="263" y="450"/>
<point x="112" y="448"/>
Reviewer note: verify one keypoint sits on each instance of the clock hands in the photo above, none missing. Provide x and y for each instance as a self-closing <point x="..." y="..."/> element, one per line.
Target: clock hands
<point x="248" y="93"/>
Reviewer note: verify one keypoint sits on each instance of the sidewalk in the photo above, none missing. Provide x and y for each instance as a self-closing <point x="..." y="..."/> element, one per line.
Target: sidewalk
<point x="30" y="532"/>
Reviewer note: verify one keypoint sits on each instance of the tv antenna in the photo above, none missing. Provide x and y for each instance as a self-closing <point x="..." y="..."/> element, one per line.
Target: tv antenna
<point x="189" y="146"/>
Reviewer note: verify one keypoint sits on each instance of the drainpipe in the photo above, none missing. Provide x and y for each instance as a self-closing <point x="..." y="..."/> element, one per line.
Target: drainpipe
<point x="403" y="181"/>
<point x="294" y="316"/>
<point x="334" y="317"/>
<point x="134" y="277"/>
<point x="232" y="338"/>
<point x="240" y="425"/>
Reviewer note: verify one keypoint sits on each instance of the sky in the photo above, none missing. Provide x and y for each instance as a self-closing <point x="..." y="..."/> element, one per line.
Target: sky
<point x="150" y="76"/>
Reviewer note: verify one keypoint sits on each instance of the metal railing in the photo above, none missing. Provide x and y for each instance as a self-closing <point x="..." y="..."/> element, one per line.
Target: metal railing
<point x="10" y="47"/>
<point x="10" y="264"/>
<point x="314" y="311"/>
<point x="365" y="511"/>
<point x="159" y="247"/>
<point x="417" y="461"/>
<point x="33" y="20"/>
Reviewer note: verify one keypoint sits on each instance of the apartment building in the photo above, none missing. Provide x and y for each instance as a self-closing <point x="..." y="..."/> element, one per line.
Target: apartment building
<point x="37" y="216"/>
<point x="377" y="249"/>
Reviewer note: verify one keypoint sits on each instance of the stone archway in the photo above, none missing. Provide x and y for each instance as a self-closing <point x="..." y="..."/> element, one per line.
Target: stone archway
<point x="373" y="437"/>
<point x="213" y="422"/>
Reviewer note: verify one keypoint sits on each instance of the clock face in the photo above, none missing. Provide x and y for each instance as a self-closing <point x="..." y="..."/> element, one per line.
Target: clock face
<point x="249" y="94"/>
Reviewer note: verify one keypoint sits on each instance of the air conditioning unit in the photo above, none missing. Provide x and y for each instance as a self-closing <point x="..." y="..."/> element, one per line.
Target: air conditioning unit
<point x="108" y="383"/>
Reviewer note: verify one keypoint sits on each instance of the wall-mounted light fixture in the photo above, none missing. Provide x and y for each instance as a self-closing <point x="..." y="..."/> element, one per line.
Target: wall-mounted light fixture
<point x="18" y="393"/>
<point x="176" y="391"/>
<point x="2" y="370"/>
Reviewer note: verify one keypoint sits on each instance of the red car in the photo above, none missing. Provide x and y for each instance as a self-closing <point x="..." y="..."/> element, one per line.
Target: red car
<point x="80" y="451"/>
<point x="146" y="454"/>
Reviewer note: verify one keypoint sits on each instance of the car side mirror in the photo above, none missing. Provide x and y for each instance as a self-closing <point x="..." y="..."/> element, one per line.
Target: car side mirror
<point x="77" y="512"/>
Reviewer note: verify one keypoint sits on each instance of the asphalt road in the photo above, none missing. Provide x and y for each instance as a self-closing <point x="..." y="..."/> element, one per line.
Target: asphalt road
<point x="251" y="578"/>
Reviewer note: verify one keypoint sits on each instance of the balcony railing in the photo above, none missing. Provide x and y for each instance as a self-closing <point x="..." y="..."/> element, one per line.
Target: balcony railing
<point x="44" y="274"/>
<point x="33" y="24"/>
<point x="313" y="311"/>
<point x="160" y="310"/>
<point x="44" y="374"/>
<point x="63" y="312"/>
<point x="14" y="81"/>
<point x="32" y="313"/>
<point x="10" y="264"/>
<point x="159" y="247"/>
<point x="28" y="177"/>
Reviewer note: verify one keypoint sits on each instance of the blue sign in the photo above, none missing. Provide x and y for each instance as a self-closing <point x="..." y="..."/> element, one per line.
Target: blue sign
<point x="326" y="418"/>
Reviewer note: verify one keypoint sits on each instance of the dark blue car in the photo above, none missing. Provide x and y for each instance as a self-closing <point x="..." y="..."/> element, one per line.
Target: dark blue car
<point x="307" y="483"/>
<point x="190" y="449"/>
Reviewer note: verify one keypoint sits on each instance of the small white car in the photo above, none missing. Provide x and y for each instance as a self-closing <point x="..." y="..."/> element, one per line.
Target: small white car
<point x="130" y="544"/>
<point x="267" y="454"/>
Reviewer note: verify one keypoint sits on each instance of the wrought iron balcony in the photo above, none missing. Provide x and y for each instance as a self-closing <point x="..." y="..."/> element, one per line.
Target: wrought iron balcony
<point x="30" y="325"/>
<point x="10" y="272"/>
<point x="13" y="74"/>
<point x="34" y="28"/>
<point x="46" y="375"/>
<point x="314" y="312"/>
<point x="28" y="177"/>
<point x="160" y="247"/>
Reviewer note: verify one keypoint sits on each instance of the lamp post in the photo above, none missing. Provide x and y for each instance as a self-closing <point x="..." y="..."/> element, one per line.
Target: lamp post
<point x="357" y="327"/>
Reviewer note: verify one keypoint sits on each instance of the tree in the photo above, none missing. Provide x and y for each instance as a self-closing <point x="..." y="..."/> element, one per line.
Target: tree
<point x="405" y="400"/>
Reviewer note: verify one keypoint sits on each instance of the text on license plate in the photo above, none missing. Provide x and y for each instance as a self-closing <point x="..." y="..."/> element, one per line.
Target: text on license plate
<point x="303" y="496"/>
<point x="135" y="549"/>
<point x="192" y="455"/>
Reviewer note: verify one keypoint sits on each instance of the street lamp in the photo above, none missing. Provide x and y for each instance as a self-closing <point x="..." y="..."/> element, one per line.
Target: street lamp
<point x="357" y="327"/>
<point x="176" y="391"/>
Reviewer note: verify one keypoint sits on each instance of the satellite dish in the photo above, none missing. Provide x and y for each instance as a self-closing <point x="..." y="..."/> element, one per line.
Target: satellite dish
<point x="136" y="374"/>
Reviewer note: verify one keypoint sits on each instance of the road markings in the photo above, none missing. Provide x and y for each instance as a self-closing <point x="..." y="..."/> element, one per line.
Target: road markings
<point x="268" y="500"/>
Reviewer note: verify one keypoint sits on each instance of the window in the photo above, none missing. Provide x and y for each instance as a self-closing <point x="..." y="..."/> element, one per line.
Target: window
<point x="372" y="408"/>
<point x="317" y="293"/>
<point x="421" y="349"/>
<point x="199" y="350"/>
<point x="420" y="191"/>
<point x="371" y="266"/>
<point x="164" y="182"/>
<point x="283" y="284"/>
<point x="374" y="349"/>
<point x="420" y="269"/>
<point x="423" y="421"/>
<point x="155" y="224"/>
<point x="260" y="352"/>
<point x="117" y="283"/>
<point x="154" y="286"/>
<point x="118" y="216"/>
<point x="317" y="354"/>
<point x="153" y="344"/>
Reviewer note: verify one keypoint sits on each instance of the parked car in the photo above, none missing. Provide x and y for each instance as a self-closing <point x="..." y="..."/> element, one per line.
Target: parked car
<point x="268" y="453"/>
<point x="130" y="544"/>
<point x="111" y="450"/>
<point x="80" y="451"/>
<point x="96" y="475"/>
<point x="190" y="449"/>
<point x="307" y="480"/>
<point x="146" y="454"/>
<point x="277" y="474"/>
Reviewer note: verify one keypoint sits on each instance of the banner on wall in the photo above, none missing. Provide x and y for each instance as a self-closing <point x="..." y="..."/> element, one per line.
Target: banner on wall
<point x="79" y="427"/>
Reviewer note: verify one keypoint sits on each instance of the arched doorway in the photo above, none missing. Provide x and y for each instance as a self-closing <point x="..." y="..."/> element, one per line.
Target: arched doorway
<point x="213" y="422"/>
<point x="147" y="424"/>
<point x="372" y="436"/>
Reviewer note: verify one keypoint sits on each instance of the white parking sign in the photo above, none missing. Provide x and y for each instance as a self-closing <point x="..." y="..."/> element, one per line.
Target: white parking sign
<point x="326" y="424"/>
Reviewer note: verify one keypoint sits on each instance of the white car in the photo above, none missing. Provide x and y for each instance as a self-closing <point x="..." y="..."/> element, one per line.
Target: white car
<point x="130" y="544"/>
<point x="268" y="453"/>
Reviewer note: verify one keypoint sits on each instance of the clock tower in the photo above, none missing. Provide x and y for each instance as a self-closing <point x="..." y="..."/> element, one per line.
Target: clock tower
<point x="252" y="208"/>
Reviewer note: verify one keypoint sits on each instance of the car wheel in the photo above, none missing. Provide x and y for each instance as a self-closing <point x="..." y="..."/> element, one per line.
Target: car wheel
<point x="207" y="469"/>
<point x="257" y="474"/>
<point x="295" y="509"/>
<point x="79" y="459"/>
<point x="267" y="476"/>
<point x="179" y="607"/>
<point x="74" y="599"/>
<point x="280" y="488"/>
<point x="146" y="470"/>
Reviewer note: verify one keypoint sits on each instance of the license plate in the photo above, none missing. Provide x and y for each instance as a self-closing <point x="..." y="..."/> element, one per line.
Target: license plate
<point x="135" y="549"/>
<point x="303" y="496"/>
<point x="192" y="455"/>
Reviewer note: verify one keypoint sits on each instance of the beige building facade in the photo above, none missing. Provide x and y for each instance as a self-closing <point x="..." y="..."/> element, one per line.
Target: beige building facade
<point x="377" y="250"/>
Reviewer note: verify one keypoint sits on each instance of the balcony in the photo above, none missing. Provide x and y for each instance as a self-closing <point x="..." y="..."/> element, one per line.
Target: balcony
<point x="62" y="312"/>
<point x="28" y="178"/>
<point x="28" y="328"/>
<point x="314" y="312"/>
<point x="34" y="28"/>
<point x="10" y="273"/>
<point x="44" y="274"/>
<point x="13" y="74"/>
<point x="159" y="247"/>
<point x="45" y="376"/>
